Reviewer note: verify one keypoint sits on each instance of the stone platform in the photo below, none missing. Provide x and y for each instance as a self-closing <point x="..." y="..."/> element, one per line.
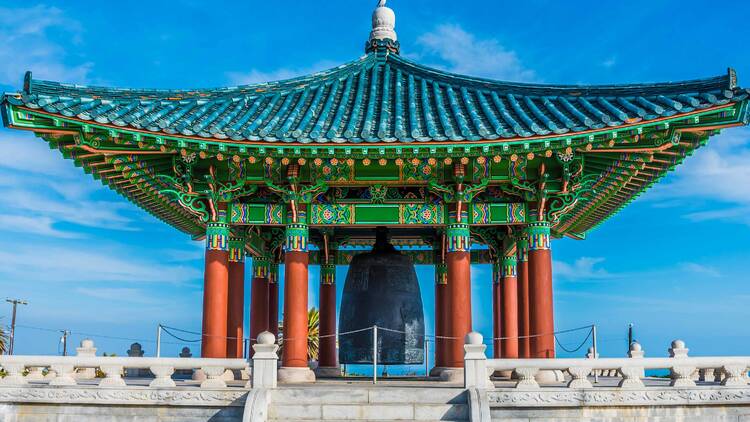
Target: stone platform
<point x="389" y="400"/>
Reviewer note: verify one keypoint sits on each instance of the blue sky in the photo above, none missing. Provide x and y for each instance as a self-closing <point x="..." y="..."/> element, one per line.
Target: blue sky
<point x="673" y="263"/>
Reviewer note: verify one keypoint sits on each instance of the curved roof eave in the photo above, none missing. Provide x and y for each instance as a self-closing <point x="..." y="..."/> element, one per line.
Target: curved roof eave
<point x="380" y="98"/>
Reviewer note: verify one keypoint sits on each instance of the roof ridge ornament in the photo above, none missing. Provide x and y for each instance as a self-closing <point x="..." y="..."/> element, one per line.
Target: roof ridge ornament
<point x="383" y="33"/>
<point x="732" y="74"/>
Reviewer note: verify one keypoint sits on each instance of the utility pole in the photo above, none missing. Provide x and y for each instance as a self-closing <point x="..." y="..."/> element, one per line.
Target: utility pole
<point x="15" y="303"/>
<point x="64" y="340"/>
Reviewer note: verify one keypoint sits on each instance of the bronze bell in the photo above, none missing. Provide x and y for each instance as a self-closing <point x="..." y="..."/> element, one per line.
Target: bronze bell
<point x="382" y="289"/>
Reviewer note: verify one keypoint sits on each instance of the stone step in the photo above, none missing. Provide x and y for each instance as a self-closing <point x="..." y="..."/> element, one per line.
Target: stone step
<point x="363" y="420"/>
<point x="338" y="395"/>
<point x="366" y="411"/>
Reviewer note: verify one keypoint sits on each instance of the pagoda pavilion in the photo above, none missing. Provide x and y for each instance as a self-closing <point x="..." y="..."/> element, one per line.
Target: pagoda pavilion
<point x="299" y="172"/>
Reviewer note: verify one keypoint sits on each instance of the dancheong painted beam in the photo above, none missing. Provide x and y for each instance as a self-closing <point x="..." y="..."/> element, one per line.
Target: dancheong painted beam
<point x="381" y="140"/>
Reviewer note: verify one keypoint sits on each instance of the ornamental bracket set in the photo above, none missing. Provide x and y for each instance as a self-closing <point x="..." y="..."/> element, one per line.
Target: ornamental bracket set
<point x="204" y="202"/>
<point x="297" y="194"/>
<point x="460" y="193"/>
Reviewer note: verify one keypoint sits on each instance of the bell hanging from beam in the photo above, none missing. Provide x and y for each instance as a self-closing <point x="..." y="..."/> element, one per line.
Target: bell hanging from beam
<point x="382" y="289"/>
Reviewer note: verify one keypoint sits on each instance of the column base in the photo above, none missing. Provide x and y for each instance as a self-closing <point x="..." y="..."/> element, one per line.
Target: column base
<point x="436" y="371"/>
<point x="452" y="375"/>
<point x="328" y="372"/>
<point x="292" y="375"/>
<point x="549" y="376"/>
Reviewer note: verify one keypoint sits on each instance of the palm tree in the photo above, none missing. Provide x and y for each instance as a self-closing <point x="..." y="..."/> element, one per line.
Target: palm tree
<point x="3" y="340"/>
<point x="313" y="332"/>
<point x="313" y="342"/>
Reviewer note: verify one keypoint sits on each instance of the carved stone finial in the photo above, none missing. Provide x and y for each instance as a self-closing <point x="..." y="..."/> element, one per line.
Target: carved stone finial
<point x="383" y="29"/>
<point x="635" y="350"/>
<point x="383" y="23"/>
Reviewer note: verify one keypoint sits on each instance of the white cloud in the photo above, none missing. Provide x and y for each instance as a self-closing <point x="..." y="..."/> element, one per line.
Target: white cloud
<point x="85" y="263"/>
<point x="194" y="252"/>
<point x="45" y="189"/>
<point x="583" y="268"/>
<point x="27" y="46"/>
<point x="700" y="269"/>
<point x="464" y="53"/>
<point x="718" y="173"/>
<point x="117" y="294"/>
<point x="33" y="225"/>
<point x="25" y="152"/>
<point x="609" y="62"/>
<point x="254" y="76"/>
<point x="83" y="212"/>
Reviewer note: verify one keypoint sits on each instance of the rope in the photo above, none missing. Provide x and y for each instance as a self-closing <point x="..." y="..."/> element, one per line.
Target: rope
<point x="579" y="346"/>
<point x="79" y="333"/>
<point x="180" y="330"/>
<point x="178" y="338"/>
<point x="203" y="334"/>
<point x="589" y="327"/>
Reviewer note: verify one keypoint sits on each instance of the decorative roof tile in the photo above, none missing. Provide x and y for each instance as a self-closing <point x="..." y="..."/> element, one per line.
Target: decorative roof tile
<point x="380" y="98"/>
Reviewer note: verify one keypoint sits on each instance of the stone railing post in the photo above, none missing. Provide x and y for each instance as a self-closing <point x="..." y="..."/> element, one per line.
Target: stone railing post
<point x="636" y="350"/>
<point x="632" y="374"/>
<point x="681" y="374"/>
<point x="475" y="362"/>
<point x="265" y="361"/>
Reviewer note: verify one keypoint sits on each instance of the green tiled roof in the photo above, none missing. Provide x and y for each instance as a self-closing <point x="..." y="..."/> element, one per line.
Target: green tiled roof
<point x="380" y="98"/>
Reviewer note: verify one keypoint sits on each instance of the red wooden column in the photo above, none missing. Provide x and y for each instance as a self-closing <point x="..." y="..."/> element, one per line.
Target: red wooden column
<point x="540" y="291"/>
<point x="273" y="299"/>
<point x="327" y="357"/>
<point x="236" y="305"/>
<point x="509" y="315"/>
<point x="524" y="342"/>
<point x="497" y="309"/>
<point x="294" y="367"/>
<point x="441" y="316"/>
<point x="259" y="299"/>
<point x="216" y="287"/>
<point x="458" y="261"/>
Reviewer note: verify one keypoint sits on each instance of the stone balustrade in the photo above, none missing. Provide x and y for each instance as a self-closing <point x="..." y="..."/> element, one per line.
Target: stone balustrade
<point x="681" y="368"/>
<point x="62" y="370"/>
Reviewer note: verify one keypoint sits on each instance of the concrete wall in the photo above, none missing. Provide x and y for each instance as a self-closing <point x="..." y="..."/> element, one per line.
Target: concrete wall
<point x="43" y="403"/>
<point x="33" y="412"/>
<point x="626" y="414"/>
<point x="605" y="404"/>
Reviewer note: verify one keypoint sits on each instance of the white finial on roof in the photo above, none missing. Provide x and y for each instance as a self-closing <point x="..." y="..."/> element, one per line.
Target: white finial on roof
<point x="383" y="23"/>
